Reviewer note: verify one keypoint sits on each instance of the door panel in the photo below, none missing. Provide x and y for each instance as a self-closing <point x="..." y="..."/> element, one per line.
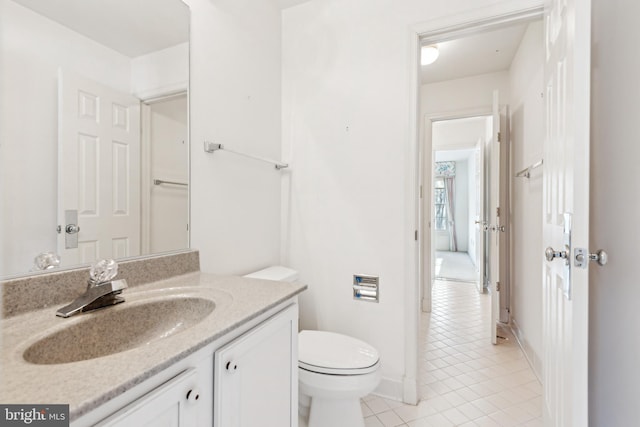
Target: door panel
<point x="98" y="173"/>
<point x="566" y="212"/>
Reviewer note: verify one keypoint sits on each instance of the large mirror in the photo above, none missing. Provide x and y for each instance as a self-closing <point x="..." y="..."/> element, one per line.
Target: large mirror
<point x="93" y="131"/>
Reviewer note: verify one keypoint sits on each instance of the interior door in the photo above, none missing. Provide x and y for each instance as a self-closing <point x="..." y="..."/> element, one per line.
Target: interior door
<point x="494" y="217"/>
<point x="98" y="170"/>
<point x="480" y="220"/>
<point x="566" y="212"/>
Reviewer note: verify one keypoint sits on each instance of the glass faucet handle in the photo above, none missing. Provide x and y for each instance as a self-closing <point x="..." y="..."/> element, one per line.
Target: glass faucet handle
<point x="103" y="271"/>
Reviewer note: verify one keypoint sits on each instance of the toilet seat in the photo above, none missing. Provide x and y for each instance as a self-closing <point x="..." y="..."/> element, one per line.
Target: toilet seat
<point x="335" y="354"/>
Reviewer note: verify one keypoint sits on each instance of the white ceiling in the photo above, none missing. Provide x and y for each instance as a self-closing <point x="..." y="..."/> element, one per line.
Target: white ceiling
<point x="478" y="54"/>
<point x="132" y="28"/>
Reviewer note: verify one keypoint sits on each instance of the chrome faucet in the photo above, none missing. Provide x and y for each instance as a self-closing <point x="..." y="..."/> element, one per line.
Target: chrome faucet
<point x="102" y="290"/>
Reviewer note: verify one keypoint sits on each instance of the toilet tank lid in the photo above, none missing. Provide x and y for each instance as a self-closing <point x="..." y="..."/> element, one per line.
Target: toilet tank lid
<point x="276" y="272"/>
<point x="334" y="351"/>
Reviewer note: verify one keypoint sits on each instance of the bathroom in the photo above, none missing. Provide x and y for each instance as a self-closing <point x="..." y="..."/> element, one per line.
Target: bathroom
<point x="334" y="212"/>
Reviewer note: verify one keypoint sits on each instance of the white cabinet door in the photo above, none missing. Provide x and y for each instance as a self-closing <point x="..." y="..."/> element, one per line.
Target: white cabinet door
<point x="256" y="376"/>
<point x="173" y="404"/>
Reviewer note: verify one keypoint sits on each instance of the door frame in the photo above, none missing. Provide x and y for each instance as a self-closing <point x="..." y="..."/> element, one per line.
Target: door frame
<point x="436" y="30"/>
<point x="428" y="256"/>
<point x="146" y="180"/>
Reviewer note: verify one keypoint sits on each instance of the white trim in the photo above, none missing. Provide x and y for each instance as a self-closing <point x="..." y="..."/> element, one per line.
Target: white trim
<point x="145" y="178"/>
<point x="409" y="385"/>
<point x="390" y="389"/>
<point x="163" y="91"/>
<point x="532" y="358"/>
<point x="509" y="11"/>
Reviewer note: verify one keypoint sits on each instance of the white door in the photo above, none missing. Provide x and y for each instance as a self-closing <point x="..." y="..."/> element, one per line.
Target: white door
<point x="566" y="205"/>
<point x="480" y="220"/>
<point x="98" y="170"/>
<point x="494" y="216"/>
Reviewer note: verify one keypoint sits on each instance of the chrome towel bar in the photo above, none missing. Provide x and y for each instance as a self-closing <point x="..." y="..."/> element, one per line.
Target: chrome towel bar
<point x="210" y="147"/>
<point x="526" y="173"/>
<point x="162" y="181"/>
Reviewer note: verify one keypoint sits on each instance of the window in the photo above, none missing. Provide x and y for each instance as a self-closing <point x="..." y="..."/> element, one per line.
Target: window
<point x="439" y="203"/>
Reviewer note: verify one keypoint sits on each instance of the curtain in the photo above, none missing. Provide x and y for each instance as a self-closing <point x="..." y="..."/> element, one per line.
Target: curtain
<point x="449" y="185"/>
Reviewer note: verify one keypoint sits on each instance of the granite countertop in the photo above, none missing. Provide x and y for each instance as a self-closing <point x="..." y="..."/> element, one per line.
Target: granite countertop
<point x="87" y="384"/>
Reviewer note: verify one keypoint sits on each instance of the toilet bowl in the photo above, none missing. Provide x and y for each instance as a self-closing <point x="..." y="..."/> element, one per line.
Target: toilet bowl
<point x="334" y="370"/>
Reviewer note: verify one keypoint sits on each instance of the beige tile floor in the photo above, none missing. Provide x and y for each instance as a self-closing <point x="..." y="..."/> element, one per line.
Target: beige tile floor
<point x="464" y="379"/>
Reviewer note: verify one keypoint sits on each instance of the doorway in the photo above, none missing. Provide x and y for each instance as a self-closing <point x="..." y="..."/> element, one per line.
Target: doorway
<point x="456" y="206"/>
<point x="165" y="182"/>
<point x="467" y="96"/>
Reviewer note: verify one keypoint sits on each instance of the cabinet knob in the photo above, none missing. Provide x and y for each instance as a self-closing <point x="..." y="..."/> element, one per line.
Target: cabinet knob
<point x="231" y="366"/>
<point x="193" y="395"/>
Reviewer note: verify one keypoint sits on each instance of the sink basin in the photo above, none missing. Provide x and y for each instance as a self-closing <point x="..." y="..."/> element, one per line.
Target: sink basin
<point x="115" y="329"/>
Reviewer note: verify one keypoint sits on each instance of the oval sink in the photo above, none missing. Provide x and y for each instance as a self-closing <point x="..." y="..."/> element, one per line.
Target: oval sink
<point x="117" y="329"/>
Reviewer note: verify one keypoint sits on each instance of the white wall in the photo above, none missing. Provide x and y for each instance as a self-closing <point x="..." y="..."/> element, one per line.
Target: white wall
<point x="461" y="95"/>
<point x="527" y="135"/>
<point x="33" y="48"/>
<point x="346" y="130"/>
<point x="161" y="72"/>
<point x="614" y="292"/>
<point x="235" y="100"/>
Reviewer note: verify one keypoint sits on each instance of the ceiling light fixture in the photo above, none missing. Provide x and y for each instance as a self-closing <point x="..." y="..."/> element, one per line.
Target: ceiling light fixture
<point x="429" y="54"/>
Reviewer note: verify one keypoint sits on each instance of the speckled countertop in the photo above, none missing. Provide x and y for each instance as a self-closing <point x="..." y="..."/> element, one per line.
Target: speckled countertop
<point x="85" y="385"/>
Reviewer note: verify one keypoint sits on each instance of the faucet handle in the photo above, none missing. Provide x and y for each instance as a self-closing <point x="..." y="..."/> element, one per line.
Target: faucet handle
<point x="103" y="271"/>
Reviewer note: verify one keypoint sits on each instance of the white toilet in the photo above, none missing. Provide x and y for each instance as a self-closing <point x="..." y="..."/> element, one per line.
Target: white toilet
<point x="334" y="370"/>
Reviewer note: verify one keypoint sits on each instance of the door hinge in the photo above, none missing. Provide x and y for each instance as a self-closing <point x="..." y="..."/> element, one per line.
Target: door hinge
<point x="498" y="286"/>
<point x="421" y="191"/>
<point x="499" y="137"/>
<point x="416" y="235"/>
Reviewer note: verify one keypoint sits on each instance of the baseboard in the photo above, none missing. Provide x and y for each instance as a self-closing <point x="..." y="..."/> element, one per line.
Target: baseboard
<point x="529" y="354"/>
<point x="391" y="389"/>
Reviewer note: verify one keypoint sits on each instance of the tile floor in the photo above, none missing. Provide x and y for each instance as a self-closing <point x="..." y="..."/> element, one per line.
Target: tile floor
<point x="455" y="266"/>
<point x="464" y="379"/>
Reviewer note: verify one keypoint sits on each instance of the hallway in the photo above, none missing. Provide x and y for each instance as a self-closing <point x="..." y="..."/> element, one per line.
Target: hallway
<point x="464" y="379"/>
<point x="455" y="266"/>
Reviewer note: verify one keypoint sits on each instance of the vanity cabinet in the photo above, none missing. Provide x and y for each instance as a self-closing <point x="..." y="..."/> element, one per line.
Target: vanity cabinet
<point x="248" y="378"/>
<point x="256" y="375"/>
<point x="180" y="402"/>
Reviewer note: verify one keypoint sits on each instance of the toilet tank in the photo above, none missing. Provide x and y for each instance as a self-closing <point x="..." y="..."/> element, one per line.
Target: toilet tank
<point x="276" y="272"/>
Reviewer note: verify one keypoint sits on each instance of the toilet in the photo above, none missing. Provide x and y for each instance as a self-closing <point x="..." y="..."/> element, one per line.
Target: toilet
<point x="334" y="371"/>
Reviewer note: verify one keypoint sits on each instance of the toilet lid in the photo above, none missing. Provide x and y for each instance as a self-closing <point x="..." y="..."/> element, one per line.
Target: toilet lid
<point x="337" y="354"/>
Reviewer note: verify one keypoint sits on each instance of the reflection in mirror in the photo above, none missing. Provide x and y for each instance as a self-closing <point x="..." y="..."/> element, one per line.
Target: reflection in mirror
<point x="93" y="130"/>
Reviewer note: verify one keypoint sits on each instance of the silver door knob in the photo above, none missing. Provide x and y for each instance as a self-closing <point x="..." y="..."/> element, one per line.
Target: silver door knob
<point x="551" y="254"/>
<point x="71" y="229"/>
<point x="582" y="256"/>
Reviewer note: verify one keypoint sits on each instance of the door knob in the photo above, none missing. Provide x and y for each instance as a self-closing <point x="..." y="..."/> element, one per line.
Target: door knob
<point x="71" y="229"/>
<point x="552" y="254"/>
<point x="583" y="256"/>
